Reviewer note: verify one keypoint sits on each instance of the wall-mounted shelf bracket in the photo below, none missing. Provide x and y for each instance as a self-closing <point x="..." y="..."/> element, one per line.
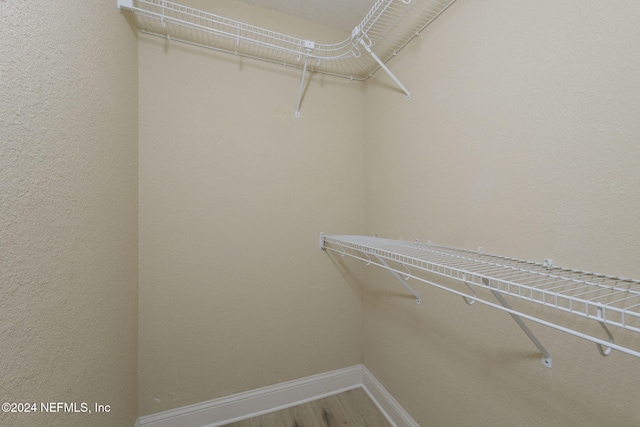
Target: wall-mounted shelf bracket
<point x="309" y="45"/>
<point x="382" y="65"/>
<point x="382" y="262"/>
<point x="400" y="279"/>
<point x="301" y="91"/>
<point x="546" y="357"/>
<point x="608" y="300"/>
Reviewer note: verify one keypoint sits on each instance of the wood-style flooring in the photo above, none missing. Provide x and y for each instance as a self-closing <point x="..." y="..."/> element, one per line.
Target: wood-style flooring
<point x="351" y="408"/>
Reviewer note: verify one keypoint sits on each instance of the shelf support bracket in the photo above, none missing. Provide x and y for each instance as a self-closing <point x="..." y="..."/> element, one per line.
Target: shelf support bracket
<point x="397" y="276"/>
<point x="301" y="91"/>
<point x="546" y="356"/>
<point x="604" y="351"/>
<point x="383" y="263"/>
<point x="385" y="68"/>
<point x="309" y="46"/>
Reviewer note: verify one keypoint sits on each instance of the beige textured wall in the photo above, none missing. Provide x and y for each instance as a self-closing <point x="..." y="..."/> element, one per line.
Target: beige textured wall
<point x="521" y="137"/>
<point x="234" y="292"/>
<point x="68" y="211"/>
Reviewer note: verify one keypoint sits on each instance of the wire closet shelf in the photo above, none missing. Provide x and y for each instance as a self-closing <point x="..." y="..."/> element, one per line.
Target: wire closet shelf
<point x="607" y="300"/>
<point x="385" y="30"/>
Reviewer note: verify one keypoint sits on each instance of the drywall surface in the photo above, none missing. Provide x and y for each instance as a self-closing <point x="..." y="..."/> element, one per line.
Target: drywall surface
<point x="235" y="293"/>
<point x="68" y="213"/>
<point x="521" y="137"/>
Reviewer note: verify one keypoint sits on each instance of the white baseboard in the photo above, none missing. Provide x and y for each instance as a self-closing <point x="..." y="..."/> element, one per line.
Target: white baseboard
<point x="390" y="408"/>
<point x="260" y="401"/>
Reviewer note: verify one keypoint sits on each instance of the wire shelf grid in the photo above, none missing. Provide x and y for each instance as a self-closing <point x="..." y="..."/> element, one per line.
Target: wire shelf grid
<point x="387" y="28"/>
<point x="609" y="300"/>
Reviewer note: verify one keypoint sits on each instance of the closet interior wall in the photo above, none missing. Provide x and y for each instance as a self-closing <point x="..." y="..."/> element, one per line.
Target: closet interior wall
<point x="68" y="212"/>
<point x="234" y="293"/>
<point x="520" y="138"/>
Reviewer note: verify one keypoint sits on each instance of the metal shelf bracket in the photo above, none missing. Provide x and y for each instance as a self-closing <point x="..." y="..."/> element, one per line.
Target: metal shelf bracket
<point x="301" y="91"/>
<point x="386" y="69"/>
<point x="546" y="357"/>
<point x="383" y="263"/>
<point x="400" y="279"/>
<point x="309" y="45"/>
<point x="604" y="351"/>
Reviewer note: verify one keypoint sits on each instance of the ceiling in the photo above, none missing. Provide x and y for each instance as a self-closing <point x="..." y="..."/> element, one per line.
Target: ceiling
<point x="341" y="14"/>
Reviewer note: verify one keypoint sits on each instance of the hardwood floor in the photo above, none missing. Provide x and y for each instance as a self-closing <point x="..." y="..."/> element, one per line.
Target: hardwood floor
<point x="351" y="408"/>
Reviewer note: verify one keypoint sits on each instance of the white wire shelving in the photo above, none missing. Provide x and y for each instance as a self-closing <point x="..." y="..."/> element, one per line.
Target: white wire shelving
<point x="607" y="300"/>
<point x="385" y="30"/>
